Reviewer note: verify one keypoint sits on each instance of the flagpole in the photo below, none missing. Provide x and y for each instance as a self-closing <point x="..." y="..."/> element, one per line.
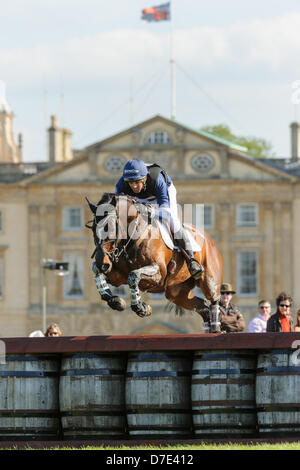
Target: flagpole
<point x="172" y="68"/>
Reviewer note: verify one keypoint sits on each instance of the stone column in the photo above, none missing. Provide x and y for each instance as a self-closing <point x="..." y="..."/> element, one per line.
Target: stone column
<point x="266" y="268"/>
<point x="296" y="251"/>
<point x="225" y="230"/>
<point x="34" y="249"/>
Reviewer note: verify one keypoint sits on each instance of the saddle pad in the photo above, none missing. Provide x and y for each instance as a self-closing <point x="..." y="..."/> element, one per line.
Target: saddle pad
<point x="169" y="242"/>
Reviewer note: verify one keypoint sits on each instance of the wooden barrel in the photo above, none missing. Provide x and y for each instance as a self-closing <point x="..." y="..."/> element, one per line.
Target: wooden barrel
<point x="158" y="402"/>
<point x="278" y="393"/>
<point x="29" y="397"/>
<point x="92" y="396"/>
<point x="223" y="393"/>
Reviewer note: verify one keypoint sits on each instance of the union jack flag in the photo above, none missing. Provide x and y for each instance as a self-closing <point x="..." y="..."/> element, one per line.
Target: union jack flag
<point x="158" y="13"/>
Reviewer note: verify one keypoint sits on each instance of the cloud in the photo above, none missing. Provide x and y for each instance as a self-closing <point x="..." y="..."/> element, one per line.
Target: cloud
<point x="271" y="44"/>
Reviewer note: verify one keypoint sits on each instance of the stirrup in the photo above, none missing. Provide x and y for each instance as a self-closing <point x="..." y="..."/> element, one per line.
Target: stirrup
<point x="196" y="273"/>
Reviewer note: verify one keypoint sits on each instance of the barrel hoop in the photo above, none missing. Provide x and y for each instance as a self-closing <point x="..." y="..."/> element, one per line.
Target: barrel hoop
<point x="225" y="403"/>
<point x="140" y="357"/>
<point x="277" y="352"/>
<point x="267" y="407"/>
<point x="208" y="381"/>
<point x="222" y="371"/>
<point x="223" y="410"/>
<point x="217" y="427"/>
<point x="104" y="355"/>
<point x="293" y="426"/>
<point x="157" y="373"/>
<point x="97" y="429"/>
<point x="28" y="432"/>
<point x="145" y="409"/>
<point x="150" y="427"/>
<point x="27" y="373"/>
<point x="29" y="414"/>
<point x="30" y="358"/>
<point x="292" y="370"/>
<point x="220" y="356"/>
<point x="92" y="412"/>
<point x="108" y="372"/>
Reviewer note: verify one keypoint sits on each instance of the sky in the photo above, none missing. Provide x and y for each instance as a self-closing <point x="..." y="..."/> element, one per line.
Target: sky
<point x="100" y="68"/>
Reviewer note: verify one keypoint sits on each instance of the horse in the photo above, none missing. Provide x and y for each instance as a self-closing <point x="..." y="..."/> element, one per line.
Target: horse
<point x="129" y="249"/>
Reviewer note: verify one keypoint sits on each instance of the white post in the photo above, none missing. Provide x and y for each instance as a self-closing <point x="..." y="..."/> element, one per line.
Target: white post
<point x="44" y="300"/>
<point x="172" y="68"/>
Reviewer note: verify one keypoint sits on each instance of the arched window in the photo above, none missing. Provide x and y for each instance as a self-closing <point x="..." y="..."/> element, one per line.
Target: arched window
<point x="202" y="162"/>
<point x="114" y="164"/>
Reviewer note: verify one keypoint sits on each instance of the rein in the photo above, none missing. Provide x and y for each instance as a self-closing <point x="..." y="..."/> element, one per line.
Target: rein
<point x="117" y="252"/>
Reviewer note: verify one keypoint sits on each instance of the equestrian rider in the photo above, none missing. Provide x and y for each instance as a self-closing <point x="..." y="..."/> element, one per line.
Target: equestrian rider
<point x="152" y="185"/>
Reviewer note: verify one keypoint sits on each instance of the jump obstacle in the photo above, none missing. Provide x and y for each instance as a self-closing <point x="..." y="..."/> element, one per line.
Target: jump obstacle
<point x="150" y="387"/>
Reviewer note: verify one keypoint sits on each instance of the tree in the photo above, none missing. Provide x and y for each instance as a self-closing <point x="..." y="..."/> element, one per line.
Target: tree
<point x="256" y="146"/>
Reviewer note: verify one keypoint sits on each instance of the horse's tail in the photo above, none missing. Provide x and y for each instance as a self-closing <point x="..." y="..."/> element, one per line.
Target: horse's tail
<point x="178" y="310"/>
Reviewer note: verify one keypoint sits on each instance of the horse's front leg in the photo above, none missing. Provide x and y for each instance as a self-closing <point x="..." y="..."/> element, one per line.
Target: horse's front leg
<point x="150" y="273"/>
<point x="114" y="302"/>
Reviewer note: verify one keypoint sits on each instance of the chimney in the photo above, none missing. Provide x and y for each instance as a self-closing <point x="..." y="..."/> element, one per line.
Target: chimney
<point x="295" y="141"/>
<point x="9" y="151"/>
<point x="60" y="143"/>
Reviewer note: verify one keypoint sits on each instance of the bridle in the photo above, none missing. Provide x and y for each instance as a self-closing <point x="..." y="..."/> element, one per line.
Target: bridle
<point x="117" y="251"/>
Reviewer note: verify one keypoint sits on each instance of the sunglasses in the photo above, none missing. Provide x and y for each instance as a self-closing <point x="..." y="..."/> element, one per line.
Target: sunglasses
<point x="284" y="305"/>
<point x="225" y="293"/>
<point x="268" y="306"/>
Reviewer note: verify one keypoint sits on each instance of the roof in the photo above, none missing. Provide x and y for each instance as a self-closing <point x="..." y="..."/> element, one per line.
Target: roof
<point x="207" y="135"/>
<point x="287" y="166"/>
<point x="212" y="136"/>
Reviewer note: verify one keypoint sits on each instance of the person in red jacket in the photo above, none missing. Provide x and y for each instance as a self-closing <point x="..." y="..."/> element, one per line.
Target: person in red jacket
<point x="282" y="320"/>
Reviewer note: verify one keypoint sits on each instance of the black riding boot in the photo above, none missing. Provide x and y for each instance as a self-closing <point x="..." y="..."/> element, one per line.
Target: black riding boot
<point x="182" y="240"/>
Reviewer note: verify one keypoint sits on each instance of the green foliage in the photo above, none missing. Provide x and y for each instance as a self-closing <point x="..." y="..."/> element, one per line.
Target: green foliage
<point x="257" y="147"/>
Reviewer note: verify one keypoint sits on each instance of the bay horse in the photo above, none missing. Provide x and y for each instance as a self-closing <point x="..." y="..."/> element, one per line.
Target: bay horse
<point x="130" y="250"/>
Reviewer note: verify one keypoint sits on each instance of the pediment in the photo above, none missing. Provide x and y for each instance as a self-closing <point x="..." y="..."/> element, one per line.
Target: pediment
<point x="184" y="152"/>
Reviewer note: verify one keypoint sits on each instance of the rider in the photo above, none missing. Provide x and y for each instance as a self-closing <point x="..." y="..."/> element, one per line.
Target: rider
<point x="153" y="185"/>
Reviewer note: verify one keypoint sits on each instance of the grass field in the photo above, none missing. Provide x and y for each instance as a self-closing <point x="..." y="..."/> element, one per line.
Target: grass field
<point x="199" y="447"/>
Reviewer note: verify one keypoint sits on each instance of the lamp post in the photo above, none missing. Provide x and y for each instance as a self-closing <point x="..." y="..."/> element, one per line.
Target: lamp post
<point x="60" y="268"/>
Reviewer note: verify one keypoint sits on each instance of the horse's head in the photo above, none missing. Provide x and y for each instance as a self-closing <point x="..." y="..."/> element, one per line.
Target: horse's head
<point x="114" y="225"/>
<point x="104" y="229"/>
<point x="111" y="219"/>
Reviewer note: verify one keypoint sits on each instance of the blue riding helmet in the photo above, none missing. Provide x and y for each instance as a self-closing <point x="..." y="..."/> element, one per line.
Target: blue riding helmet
<point x="135" y="170"/>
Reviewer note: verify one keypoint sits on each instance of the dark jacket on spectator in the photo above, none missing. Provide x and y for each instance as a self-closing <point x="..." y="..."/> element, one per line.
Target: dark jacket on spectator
<point x="274" y="325"/>
<point x="232" y="321"/>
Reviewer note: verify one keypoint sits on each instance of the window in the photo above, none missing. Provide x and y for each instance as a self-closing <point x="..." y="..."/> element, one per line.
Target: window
<point x="73" y="283"/>
<point x="247" y="215"/>
<point x="202" y="162"/>
<point x="158" y="137"/>
<point x="72" y="218"/>
<point x="247" y="273"/>
<point x="203" y="216"/>
<point x="209" y="216"/>
<point x="114" y="164"/>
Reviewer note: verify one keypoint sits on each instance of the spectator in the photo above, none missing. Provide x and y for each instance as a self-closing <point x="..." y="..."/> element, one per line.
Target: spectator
<point x="259" y="323"/>
<point x="231" y="319"/>
<point x="297" y="326"/>
<point x="53" y="330"/>
<point x="282" y="320"/>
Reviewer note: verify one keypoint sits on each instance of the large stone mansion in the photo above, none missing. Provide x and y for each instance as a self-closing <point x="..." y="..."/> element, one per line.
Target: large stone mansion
<point x="251" y="209"/>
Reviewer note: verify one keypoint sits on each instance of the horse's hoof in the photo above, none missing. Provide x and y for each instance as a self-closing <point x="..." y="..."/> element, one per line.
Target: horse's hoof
<point x="215" y="327"/>
<point x="142" y="310"/>
<point x="116" y="303"/>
